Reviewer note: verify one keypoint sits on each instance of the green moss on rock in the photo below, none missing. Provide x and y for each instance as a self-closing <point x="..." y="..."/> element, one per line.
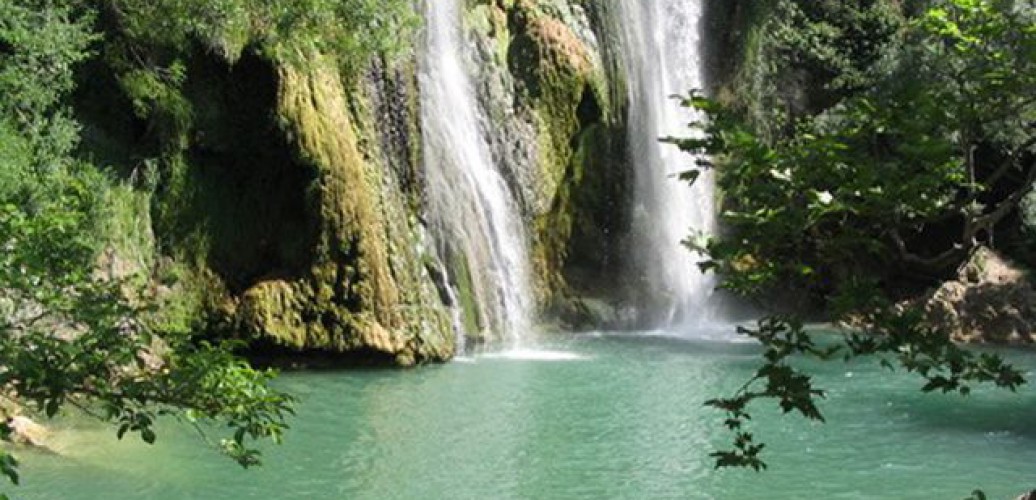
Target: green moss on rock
<point x="366" y="289"/>
<point x="279" y="196"/>
<point x="471" y="314"/>
<point x="563" y="84"/>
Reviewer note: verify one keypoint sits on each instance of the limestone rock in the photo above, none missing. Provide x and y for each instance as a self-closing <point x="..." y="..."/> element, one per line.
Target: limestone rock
<point x="25" y="431"/>
<point x="548" y="88"/>
<point x="991" y="300"/>
<point x="364" y="288"/>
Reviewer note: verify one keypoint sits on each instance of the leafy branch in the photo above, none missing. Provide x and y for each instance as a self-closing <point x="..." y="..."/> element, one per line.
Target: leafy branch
<point x="941" y="136"/>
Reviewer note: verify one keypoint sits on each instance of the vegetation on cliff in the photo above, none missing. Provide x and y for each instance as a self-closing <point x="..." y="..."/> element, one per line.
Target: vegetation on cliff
<point x="280" y="181"/>
<point x="925" y="152"/>
<point x="120" y="218"/>
<point x="71" y="333"/>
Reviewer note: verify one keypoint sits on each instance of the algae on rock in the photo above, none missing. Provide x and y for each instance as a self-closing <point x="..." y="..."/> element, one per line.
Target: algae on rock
<point x="548" y="90"/>
<point x="367" y="288"/>
<point x="285" y="201"/>
<point x="285" y="183"/>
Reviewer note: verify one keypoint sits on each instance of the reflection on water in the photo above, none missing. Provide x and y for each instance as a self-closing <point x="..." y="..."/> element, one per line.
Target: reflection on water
<point x="586" y="416"/>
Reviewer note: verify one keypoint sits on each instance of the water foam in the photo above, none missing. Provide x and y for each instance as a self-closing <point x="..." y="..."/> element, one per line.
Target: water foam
<point x="535" y="355"/>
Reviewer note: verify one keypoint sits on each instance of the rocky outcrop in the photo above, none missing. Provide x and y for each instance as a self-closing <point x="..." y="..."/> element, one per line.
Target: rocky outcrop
<point x="309" y="223"/>
<point x="285" y="202"/>
<point x="285" y="187"/>
<point x="366" y="288"/>
<point x="549" y="88"/>
<point x="990" y="301"/>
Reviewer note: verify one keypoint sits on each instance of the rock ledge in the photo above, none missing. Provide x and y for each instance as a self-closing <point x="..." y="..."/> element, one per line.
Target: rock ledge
<point x="991" y="301"/>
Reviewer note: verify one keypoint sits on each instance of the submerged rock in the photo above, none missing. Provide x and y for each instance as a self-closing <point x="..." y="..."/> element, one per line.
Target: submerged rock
<point x="991" y="300"/>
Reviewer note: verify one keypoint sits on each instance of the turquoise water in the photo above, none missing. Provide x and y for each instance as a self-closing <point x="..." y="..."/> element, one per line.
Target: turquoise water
<point x="586" y="416"/>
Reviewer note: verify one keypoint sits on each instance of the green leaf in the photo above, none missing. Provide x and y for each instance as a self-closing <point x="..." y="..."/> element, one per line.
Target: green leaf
<point x="52" y="408"/>
<point x="148" y="435"/>
<point x="690" y="176"/>
<point x="9" y="467"/>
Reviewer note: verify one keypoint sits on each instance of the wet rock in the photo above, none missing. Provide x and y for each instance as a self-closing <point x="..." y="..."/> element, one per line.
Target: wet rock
<point x="585" y="313"/>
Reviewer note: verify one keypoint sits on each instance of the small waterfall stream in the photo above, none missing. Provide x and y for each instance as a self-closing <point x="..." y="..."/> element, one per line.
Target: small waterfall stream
<point x="471" y="210"/>
<point x="662" y="53"/>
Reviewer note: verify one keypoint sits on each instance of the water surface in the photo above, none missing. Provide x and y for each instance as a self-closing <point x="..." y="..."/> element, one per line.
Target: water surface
<point x="585" y="416"/>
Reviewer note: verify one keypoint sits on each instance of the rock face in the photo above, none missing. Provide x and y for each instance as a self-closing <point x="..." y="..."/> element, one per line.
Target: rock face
<point x="358" y="278"/>
<point x="287" y="208"/>
<point x="365" y="289"/>
<point x="991" y="300"/>
<point x="549" y="85"/>
<point x="286" y="203"/>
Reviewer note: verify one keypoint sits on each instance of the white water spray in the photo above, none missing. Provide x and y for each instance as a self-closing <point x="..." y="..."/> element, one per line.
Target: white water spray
<point x="471" y="210"/>
<point x="663" y="56"/>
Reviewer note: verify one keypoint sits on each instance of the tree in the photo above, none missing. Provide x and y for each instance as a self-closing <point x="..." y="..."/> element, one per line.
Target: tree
<point x="69" y="335"/>
<point x="901" y="179"/>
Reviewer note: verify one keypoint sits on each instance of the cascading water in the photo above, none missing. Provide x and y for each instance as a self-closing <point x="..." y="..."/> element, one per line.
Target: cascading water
<point x="662" y="53"/>
<point x="470" y="209"/>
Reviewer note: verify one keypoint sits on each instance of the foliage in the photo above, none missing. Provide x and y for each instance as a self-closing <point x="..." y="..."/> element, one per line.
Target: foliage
<point x="834" y="42"/>
<point x="165" y="55"/>
<point x="852" y="189"/>
<point x="33" y="122"/>
<point x="943" y="142"/>
<point x="351" y="30"/>
<point x="70" y="335"/>
<point x="977" y="495"/>
<point x="801" y="56"/>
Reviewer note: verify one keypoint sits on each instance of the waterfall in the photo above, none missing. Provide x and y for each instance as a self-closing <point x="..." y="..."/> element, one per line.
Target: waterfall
<point x="662" y="54"/>
<point x="471" y="211"/>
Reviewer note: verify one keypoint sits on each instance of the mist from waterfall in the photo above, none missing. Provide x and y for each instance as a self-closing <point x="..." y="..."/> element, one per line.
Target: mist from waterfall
<point x="662" y="54"/>
<point x="471" y="211"/>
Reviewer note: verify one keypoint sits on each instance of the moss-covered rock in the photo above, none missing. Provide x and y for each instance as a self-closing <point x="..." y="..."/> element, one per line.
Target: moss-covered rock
<point x="286" y="187"/>
<point x="366" y="288"/>
<point x="549" y="93"/>
<point x="285" y="201"/>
